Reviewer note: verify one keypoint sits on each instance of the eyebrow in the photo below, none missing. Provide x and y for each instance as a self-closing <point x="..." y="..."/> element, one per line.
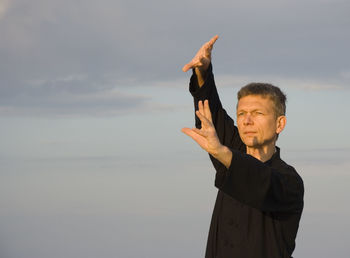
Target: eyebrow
<point x="254" y="110"/>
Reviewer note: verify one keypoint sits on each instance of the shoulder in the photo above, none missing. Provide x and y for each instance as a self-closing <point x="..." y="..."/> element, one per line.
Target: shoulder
<point x="289" y="171"/>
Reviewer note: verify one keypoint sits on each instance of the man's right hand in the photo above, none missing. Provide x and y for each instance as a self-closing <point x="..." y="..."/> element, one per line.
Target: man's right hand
<point x="203" y="57"/>
<point x="206" y="137"/>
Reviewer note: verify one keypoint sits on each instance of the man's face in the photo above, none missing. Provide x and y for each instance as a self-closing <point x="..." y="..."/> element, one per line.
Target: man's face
<point x="257" y="122"/>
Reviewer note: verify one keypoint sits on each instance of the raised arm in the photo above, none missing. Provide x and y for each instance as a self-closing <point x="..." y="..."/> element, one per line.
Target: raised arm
<point x="202" y="87"/>
<point x="201" y="61"/>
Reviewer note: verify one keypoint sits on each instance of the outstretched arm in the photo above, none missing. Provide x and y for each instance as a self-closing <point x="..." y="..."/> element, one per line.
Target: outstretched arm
<point x="201" y="61"/>
<point x="206" y="137"/>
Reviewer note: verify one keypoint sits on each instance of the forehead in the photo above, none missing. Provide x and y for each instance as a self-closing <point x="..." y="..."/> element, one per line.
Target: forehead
<point x="252" y="102"/>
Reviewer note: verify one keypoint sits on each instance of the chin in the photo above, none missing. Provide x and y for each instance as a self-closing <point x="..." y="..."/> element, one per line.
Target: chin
<point x="252" y="142"/>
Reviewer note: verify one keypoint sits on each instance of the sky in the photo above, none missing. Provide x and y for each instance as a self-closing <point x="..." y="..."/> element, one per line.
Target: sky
<point x="92" y="101"/>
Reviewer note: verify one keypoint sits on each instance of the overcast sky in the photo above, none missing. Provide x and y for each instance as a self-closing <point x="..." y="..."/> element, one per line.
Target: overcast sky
<point x="92" y="101"/>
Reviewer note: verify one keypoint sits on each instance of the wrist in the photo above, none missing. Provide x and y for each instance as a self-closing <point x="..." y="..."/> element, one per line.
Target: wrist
<point x="201" y="75"/>
<point x="224" y="155"/>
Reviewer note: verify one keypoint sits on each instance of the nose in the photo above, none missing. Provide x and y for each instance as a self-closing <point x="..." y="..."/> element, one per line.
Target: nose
<point x="248" y="120"/>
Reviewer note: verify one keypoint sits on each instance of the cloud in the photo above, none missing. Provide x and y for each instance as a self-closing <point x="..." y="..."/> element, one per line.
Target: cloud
<point x="53" y="52"/>
<point x="313" y="84"/>
<point x="60" y="98"/>
<point x="82" y="95"/>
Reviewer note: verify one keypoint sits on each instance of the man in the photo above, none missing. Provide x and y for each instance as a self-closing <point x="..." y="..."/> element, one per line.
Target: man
<point x="260" y="197"/>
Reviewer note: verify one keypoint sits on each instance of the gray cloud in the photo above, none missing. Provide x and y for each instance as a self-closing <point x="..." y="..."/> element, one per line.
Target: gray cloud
<point x="88" y="47"/>
<point x="68" y="97"/>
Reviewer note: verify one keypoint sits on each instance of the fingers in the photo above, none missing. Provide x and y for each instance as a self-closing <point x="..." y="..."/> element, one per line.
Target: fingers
<point x="200" y="107"/>
<point x="194" y="135"/>
<point x="194" y="132"/>
<point x="201" y="113"/>
<point x="187" y="131"/>
<point x="187" y="67"/>
<point x="194" y="63"/>
<point x="200" y="132"/>
<point x="212" y="41"/>
<point x="203" y="53"/>
<point x="205" y="122"/>
<point x="204" y="110"/>
<point x="207" y="112"/>
<point x="208" y="46"/>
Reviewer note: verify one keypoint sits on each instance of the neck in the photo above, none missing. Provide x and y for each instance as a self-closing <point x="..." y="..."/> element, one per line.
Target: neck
<point x="262" y="153"/>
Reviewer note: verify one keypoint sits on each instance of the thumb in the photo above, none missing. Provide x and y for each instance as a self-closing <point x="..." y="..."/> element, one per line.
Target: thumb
<point x="187" y="67"/>
<point x="189" y="132"/>
<point x="186" y="130"/>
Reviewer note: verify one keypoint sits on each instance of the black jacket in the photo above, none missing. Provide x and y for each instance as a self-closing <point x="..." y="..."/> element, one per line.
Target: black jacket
<point x="259" y="204"/>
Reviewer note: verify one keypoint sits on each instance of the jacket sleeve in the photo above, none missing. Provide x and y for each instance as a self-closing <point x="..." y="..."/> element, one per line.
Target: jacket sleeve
<point x="262" y="186"/>
<point x="224" y="125"/>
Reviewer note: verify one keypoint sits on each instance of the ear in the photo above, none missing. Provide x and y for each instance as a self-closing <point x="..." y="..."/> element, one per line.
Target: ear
<point x="280" y="124"/>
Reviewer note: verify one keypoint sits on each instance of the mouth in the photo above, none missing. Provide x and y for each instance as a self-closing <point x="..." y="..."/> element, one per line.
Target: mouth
<point x="249" y="133"/>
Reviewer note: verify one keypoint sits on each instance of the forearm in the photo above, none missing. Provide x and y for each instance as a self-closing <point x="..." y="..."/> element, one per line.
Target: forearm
<point x="224" y="155"/>
<point x="260" y="186"/>
<point x="201" y="75"/>
<point x="207" y="90"/>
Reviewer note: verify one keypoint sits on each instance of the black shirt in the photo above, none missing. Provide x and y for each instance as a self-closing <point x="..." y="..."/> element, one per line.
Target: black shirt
<point x="259" y="204"/>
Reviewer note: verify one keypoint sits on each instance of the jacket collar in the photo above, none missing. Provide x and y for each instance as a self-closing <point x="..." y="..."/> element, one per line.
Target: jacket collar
<point x="275" y="156"/>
